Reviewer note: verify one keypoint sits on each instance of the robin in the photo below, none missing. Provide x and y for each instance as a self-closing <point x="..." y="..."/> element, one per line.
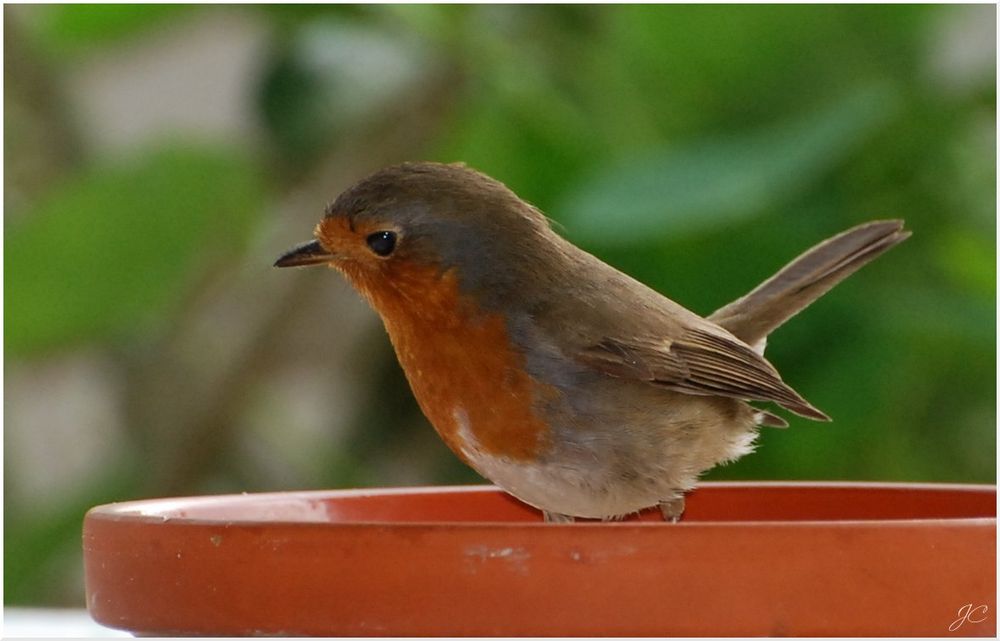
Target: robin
<point x="567" y="383"/>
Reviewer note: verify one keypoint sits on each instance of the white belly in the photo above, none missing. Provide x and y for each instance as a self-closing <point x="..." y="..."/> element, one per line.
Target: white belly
<point x="590" y="487"/>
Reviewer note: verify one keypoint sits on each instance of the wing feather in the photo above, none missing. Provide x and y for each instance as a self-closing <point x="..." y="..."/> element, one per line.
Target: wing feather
<point x="702" y="362"/>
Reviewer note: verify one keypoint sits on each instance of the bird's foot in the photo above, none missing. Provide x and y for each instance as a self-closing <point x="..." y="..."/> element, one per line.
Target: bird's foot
<point x="554" y="517"/>
<point x="672" y="509"/>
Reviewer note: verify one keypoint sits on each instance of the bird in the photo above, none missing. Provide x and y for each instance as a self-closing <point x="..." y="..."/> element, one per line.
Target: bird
<point x="567" y="383"/>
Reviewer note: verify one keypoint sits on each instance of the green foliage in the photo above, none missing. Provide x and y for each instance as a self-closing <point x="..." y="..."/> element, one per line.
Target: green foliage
<point x="719" y="180"/>
<point x="43" y="545"/>
<point x="111" y="250"/>
<point x="66" y="30"/>
<point x="334" y="75"/>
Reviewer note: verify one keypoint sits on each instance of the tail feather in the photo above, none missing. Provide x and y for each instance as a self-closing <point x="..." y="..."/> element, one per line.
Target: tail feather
<point x="754" y="316"/>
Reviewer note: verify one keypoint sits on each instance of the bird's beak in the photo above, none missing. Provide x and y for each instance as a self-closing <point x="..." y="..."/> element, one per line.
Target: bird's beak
<point x="311" y="253"/>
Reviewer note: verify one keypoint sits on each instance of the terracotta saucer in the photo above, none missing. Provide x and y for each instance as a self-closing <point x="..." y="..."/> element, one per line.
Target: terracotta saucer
<point x="831" y="559"/>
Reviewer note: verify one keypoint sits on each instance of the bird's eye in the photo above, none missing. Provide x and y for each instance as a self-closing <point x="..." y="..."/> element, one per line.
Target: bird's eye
<point x="382" y="242"/>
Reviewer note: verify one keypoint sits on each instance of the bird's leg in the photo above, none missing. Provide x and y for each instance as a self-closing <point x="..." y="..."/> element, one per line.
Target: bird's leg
<point x="555" y="517"/>
<point x="672" y="509"/>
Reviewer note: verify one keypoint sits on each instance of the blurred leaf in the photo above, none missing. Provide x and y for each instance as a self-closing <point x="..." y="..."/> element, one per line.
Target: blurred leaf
<point x="730" y="66"/>
<point x="53" y="537"/>
<point x="69" y="29"/>
<point x="970" y="260"/>
<point x="287" y="15"/>
<point x="114" y="247"/>
<point x="713" y="182"/>
<point x="518" y="119"/>
<point x="335" y="76"/>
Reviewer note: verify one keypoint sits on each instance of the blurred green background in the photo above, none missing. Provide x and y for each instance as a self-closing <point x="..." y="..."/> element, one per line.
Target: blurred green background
<point x="159" y="158"/>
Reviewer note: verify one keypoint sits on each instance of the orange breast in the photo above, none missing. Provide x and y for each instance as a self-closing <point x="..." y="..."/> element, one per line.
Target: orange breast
<point x="464" y="372"/>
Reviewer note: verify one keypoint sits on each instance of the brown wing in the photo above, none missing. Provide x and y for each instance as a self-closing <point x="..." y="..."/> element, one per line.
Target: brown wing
<point x="700" y="361"/>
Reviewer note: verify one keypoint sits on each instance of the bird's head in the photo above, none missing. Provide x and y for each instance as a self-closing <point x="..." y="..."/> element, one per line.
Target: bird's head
<point x="410" y="228"/>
